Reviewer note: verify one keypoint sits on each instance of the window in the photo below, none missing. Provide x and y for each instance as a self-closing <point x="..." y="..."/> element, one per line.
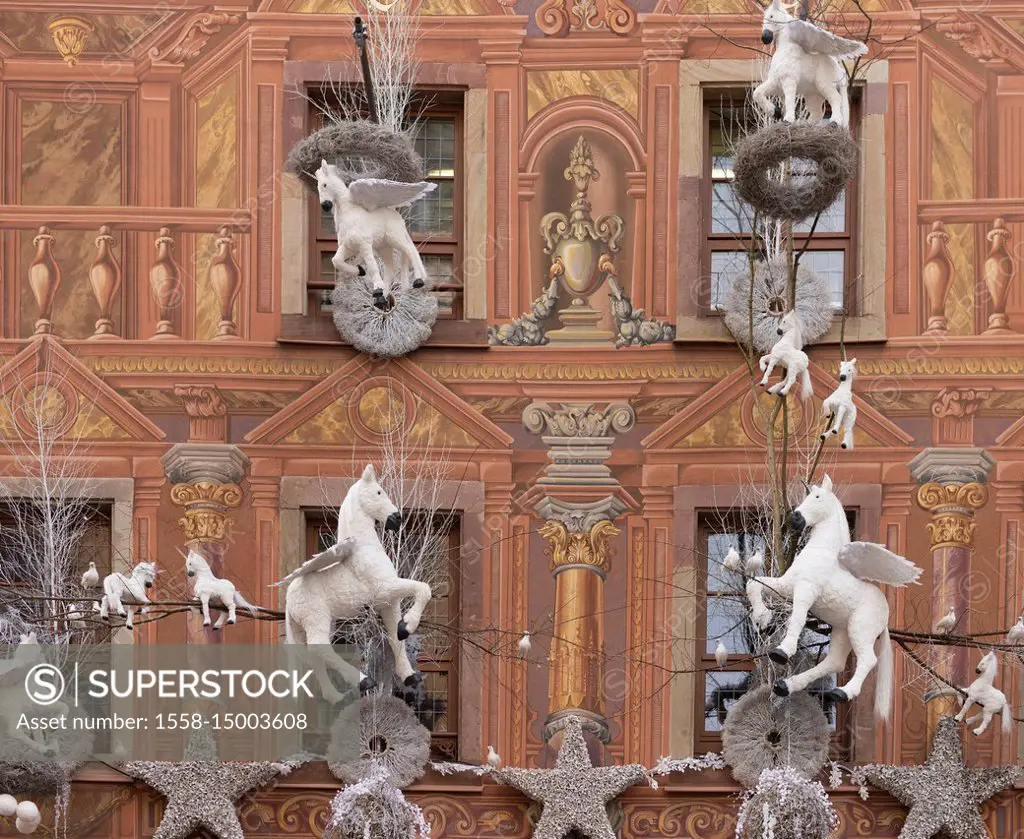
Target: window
<point x="724" y="616"/>
<point x="85" y="526"/>
<point x="434" y="222"/>
<point x="440" y="533"/>
<point x="729" y="235"/>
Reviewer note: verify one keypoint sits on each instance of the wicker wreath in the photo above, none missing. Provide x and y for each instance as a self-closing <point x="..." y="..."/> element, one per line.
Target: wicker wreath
<point x="387" y="333"/>
<point x="771" y="281"/>
<point x="360" y="149"/>
<point x="390" y="739"/>
<point x="762" y="732"/>
<point x="786" y="805"/>
<point x="758" y="156"/>
<point x="23" y="771"/>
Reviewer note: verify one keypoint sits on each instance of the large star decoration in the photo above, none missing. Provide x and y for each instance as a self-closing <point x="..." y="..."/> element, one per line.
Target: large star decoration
<point x="201" y="791"/>
<point x="943" y="794"/>
<point x="575" y="792"/>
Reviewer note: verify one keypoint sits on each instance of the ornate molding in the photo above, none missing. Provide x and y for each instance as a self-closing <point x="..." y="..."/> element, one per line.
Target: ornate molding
<point x="206" y="506"/>
<point x="193" y="36"/>
<point x="207" y="412"/>
<point x="958" y="402"/>
<point x="952" y="507"/>
<point x="578" y="419"/>
<point x="555" y="18"/>
<point x="951" y="465"/>
<point x="574" y="549"/>
<point x="219" y="463"/>
<point x="973" y="40"/>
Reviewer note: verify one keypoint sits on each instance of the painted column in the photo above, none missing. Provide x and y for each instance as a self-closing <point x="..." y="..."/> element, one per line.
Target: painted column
<point x="205" y="483"/>
<point x="951" y="488"/>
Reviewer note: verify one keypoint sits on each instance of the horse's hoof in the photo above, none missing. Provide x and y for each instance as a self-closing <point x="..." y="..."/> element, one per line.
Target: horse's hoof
<point x="780" y="688"/>
<point x="778" y="112"/>
<point x="403" y="631"/>
<point x="823" y="436"/>
<point x="231" y="620"/>
<point x="361" y="270"/>
<point x="779" y="656"/>
<point x="837" y="695"/>
<point x="842" y="445"/>
<point x="412" y="680"/>
<point x="378" y="293"/>
<point x="380" y="303"/>
<point x="366" y="684"/>
<point x="418" y="283"/>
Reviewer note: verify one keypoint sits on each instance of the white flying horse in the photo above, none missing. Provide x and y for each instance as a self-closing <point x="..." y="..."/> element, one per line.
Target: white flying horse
<point x="806" y="65"/>
<point x="127" y="590"/>
<point x="828" y="580"/>
<point x="209" y="588"/>
<point x="992" y="700"/>
<point x="839" y="405"/>
<point x="353" y="575"/>
<point x="14" y="698"/>
<point x="788" y="351"/>
<point x="369" y="226"/>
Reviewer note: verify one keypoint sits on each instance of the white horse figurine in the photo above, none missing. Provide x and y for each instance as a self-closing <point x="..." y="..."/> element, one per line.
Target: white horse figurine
<point x="827" y="579"/>
<point x="369" y="226"/>
<point x="839" y="405"/>
<point x="788" y="351"/>
<point x="127" y="590"/>
<point x="992" y="701"/>
<point x="806" y="65"/>
<point x="14" y="699"/>
<point x="210" y="588"/>
<point x="354" y="574"/>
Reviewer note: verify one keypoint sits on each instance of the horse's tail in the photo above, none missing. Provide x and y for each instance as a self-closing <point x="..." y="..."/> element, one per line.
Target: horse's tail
<point x="241" y="601"/>
<point x="884" y="678"/>
<point x="806" y="386"/>
<point x="1007" y="717"/>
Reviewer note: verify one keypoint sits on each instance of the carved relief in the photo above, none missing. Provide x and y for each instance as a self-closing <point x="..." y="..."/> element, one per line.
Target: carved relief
<point x="591" y="547"/>
<point x="194" y="36"/>
<point x="555" y="18"/>
<point x="207" y="412"/>
<point x="953" y="411"/>
<point x="952" y="507"/>
<point x="972" y="39"/>
<point x="582" y="420"/>
<point x="206" y="509"/>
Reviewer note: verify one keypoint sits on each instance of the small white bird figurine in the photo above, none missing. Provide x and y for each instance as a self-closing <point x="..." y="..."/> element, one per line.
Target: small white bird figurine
<point x="525" y="645"/>
<point x="721" y="653"/>
<point x="755" y="564"/>
<point x="91" y="578"/>
<point x="945" y="626"/>
<point x="1016" y="633"/>
<point x="493" y="758"/>
<point x="732" y="560"/>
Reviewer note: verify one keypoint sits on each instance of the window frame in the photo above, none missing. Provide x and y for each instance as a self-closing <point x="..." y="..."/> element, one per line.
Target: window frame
<point x="820" y="241"/>
<point x="426" y="103"/>
<point x="709" y="521"/>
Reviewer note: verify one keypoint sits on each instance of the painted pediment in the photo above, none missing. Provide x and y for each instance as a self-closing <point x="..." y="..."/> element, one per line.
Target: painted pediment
<point x="365" y="404"/>
<point x="726" y="416"/>
<point x="45" y="389"/>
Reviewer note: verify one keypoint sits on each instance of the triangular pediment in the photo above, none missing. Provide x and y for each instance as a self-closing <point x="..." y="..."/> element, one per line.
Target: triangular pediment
<point x="1013" y="437"/>
<point x="45" y="384"/>
<point x="725" y="416"/>
<point x="363" y="404"/>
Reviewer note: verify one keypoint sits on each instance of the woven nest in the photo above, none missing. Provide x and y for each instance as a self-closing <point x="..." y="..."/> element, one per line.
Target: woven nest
<point x="771" y="283"/>
<point x="372" y="809"/>
<point x="762" y="732"/>
<point x="360" y="149"/>
<point x="24" y="771"/>
<point x="786" y="805"/>
<point x="758" y="156"/>
<point x="387" y="333"/>
<point x="391" y="740"/>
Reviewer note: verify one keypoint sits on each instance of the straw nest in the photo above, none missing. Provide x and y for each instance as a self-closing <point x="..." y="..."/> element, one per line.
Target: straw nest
<point x="24" y="771"/>
<point x="786" y="805"/>
<point x="386" y="333"/>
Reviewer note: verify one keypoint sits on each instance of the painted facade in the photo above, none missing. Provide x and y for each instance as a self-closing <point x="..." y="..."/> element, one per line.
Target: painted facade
<point x="152" y="247"/>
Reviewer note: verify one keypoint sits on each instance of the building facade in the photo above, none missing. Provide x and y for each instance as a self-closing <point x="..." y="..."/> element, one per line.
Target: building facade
<point x="156" y="256"/>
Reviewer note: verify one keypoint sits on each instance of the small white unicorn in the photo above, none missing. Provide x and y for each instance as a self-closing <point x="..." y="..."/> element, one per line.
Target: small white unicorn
<point x="839" y="405"/>
<point x="806" y="65"/>
<point x="788" y="351"/>
<point x="127" y="590"/>
<point x="369" y="226"/>
<point x="210" y="588"/>
<point x="981" y="692"/>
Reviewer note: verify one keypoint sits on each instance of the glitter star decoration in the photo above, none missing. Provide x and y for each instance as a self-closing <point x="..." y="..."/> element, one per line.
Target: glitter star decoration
<point x="201" y="791"/>
<point x="575" y="792"/>
<point x="943" y="794"/>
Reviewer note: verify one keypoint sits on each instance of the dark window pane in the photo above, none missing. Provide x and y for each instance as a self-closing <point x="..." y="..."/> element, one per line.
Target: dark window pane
<point x="721" y="692"/>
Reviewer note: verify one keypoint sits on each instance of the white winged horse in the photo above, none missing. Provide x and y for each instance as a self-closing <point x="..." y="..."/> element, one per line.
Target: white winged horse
<point x="805" y="66"/>
<point x="828" y="580"/>
<point x="349" y="577"/>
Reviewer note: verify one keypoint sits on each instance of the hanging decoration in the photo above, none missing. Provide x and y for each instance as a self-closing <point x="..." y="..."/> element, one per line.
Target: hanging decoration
<point x="575" y="793"/>
<point x="770" y="283"/>
<point x="373" y="808"/>
<point x="763" y="732"/>
<point x="390" y="332"/>
<point x="390" y="740"/>
<point x="785" y="804"/>
<point x="944" y="794"/>
<point x="983" y="692"/>
<point x="839" y="407"/>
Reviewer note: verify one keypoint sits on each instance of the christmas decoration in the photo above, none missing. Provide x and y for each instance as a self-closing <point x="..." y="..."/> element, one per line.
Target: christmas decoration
<point x="208" y="587"/>
<point x="839" y="405"/>
<point x="786" y="805"/>
<point x="762" y="732"/>
<point x="372" y="808"/>
<point x="992" y="700"/>
<point x="943" y="795"/>
<point x="788" y="352"/>
<point x="389" y="332"/>
<point x="127" y="590"/>
<point x="575" y="792"/>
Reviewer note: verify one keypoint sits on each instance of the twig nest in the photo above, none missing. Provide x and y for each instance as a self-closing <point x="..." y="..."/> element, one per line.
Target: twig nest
<point x="390" y="740"/>
<point x="391" y="332"/>
<point x="758" y="156"/>
<point x="360" y="149"/>
<point x="24" y="771"/>
<point x="374" y="809"/>
<point x="771" y="282"/>
<point x="763" y="732"/>
<point x="786" y="805"/>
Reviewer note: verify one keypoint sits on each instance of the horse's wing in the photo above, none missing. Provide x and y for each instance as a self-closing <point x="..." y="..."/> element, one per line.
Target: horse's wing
<point x="322" y="561"/>
<point x="375" y="193"/>
<point x="870" y="561"/>
<point x="818" y="41"/>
